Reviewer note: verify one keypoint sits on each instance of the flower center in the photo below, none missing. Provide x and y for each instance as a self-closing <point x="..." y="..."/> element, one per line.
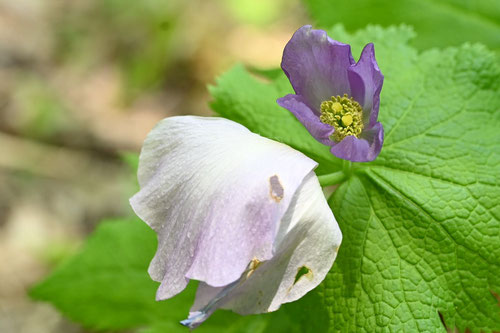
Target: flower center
<point x="344" y="114"/>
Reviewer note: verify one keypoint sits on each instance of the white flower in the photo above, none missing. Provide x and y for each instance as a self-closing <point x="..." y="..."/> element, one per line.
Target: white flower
<point x="240" y="213"/>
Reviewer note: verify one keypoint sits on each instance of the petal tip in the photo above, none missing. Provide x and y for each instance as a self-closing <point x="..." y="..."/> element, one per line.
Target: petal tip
<point x="368" y="54"/>
<point x="284" y="101"/>
<point x="194" y="319"/>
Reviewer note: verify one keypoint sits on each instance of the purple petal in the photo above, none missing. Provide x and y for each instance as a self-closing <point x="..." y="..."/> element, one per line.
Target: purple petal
<point x="366" y="83"/>
<point x="296" y="105"/>
<point x="214" y="192"/>
<point x="317" y="66"/>
<point x="364" y="149"/>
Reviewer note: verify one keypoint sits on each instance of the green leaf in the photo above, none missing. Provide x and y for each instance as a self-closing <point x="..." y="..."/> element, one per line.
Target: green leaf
<point x="107" y="287"/>
<point x="421" y="224"/>
<point x="438" y="22"/>
<point x="251" y="101"/>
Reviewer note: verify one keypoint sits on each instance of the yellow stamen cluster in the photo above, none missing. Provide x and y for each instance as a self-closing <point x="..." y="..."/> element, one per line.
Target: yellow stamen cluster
<point x="344" y="114"/>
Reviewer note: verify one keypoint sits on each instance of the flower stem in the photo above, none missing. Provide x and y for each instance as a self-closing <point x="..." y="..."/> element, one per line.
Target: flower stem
<point x="347" y="167"/>
<point x="331" y="179"/>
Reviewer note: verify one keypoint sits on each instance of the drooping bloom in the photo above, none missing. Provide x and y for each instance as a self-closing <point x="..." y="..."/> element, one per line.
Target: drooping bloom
<point x="336" y="99"/>
<point x="243" y="214"/>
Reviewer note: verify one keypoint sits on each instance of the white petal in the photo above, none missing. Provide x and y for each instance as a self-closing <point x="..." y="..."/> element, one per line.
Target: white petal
<point x="215" y="193"/>
<point x="309" y="237"/>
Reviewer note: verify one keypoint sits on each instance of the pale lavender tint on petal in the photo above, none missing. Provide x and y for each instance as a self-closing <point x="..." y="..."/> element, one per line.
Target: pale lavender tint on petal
<point x="308" y="237"/>
<point x="207" y="190"/>
<point x="366" y="83"/>
<point x="296" y="105"/>
<point x="316" y="66"/>
<point x="364" y="149"/>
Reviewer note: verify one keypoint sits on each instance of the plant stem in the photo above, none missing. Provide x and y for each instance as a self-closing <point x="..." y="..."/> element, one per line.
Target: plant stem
<point x="347" y="167"/>
<point x="331" y="179"/>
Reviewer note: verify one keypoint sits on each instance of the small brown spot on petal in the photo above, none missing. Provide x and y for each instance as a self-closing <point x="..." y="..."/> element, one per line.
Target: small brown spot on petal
<point x="276" y="189"/>
<point x="254" y="264"/>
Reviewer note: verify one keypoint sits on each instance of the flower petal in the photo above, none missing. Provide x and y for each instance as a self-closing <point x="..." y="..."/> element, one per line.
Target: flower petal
<point x="296" y="105"/>
<point x="316" y="66"/>
<point x="307" y="244"/>
<point x="364" y="149"/>
<point x="366" y="83"/>
<point x="214" y="192"/>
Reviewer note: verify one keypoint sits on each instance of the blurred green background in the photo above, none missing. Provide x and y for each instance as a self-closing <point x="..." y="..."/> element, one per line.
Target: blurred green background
<point x="83" y="81"/>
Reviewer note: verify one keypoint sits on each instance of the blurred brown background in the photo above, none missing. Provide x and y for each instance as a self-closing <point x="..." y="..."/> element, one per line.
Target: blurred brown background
<point x="82" y="82"/>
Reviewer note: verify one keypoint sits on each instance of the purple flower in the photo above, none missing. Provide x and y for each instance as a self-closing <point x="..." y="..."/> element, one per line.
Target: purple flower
<point x="336" y="99"/>
<point x="243" y="214"/>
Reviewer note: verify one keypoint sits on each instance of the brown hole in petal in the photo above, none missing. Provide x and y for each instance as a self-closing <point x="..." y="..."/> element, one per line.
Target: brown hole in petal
<point x="303" y="271"/>
<point x="276" y="189"/>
